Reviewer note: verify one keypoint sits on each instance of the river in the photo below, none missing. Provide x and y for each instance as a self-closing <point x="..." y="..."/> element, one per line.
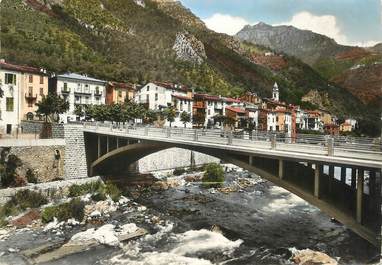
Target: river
<point x="258" y="224"/>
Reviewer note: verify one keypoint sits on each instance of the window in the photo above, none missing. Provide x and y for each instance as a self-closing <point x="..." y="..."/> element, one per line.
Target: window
<point x="65" y="86"/>
<point x="30" y="91"/>
<point x="120" y="93"/>
<point x="277" y="119"/>
<point x="78" y="99"/>
<point x="156" y="96"/>
<point x="41" y="79"/>
<point x="97" y="100"/>
<point x="10" y="79"/>
<point x="30" y="104"/>
<point x="209" y="112"/>
<point x="9" y="103"/>
<point x="97" y="90"/>
<point x="41" y="91"/>
<point x="147" y="98"/>
<point x="30" y="78"/>
<point x="148" y="88"/>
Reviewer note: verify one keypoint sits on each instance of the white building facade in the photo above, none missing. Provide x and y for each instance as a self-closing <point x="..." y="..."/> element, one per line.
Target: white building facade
<point x="158" y="96"/>
<point x="78" y="90"/>
<point x="10" y="107"/>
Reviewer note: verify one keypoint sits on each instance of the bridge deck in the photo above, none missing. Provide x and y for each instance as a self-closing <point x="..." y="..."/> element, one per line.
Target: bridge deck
<point x="364" y="155"/>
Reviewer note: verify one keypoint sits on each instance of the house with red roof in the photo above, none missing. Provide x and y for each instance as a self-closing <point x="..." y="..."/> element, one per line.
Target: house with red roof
<point x="22" y="86"/>
<point x="158" y="96"/>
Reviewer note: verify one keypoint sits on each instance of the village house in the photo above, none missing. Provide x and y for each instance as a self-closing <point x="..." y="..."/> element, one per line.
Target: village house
<point x="119" y="92"/>
<point x="251" y="98"/>
<point x="345" y="127"/>
<point x="352" y="122"/>
<point x="332" y="129"/>
<point x="313" y="121"/>
<point x="22" y="87"/>
<point x="77" y="89"/>
<point x="283" y="121"/>
<point x="161" y="95"/>
<point x="237" y="114"/>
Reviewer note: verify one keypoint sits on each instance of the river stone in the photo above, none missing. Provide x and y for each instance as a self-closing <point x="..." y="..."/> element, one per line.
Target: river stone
<point x="310" y="257"/>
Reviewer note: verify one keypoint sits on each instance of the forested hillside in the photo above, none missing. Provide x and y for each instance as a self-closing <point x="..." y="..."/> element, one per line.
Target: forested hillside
<point x="137" y="41"/>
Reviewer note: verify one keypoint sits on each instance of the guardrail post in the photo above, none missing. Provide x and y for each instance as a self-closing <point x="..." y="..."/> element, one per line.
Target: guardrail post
<point x="168" y="132"/>
<point x="230" y="138"/>
<point x="195" y="135"/>
<point x="146" y="131"/>
<point x="97" y="125"/>
<point x="330" y="143"/>
<point x="273" y="141"/>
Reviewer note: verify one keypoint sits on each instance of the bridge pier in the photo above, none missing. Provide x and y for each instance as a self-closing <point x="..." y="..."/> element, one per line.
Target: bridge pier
<point x="317" y="172"/>
<point x="353" y="178"/>
<point x="98" y="146"/>
<point x="281" y="168"/>
<point x="360" y="182"/>
<point x="331" y="179"/>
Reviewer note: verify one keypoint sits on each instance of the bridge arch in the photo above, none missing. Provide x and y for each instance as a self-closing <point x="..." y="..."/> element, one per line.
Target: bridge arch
<point x="295" y="175"/>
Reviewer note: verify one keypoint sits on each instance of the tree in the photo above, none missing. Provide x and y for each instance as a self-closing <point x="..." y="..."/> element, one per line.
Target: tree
<point x="52" y="105"/>
<point x="170" y="114"/>
<point x="185" y="117"/>
<point x="198" y="118"/>
<point x="150" y="116"/>
<point x="214" y="173"/>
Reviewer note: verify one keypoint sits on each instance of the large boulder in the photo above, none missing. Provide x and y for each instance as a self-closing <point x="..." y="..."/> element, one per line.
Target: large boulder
<point x="310" y="257"/>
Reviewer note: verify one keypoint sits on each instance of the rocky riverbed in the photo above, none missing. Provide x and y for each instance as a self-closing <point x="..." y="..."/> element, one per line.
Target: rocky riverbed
<point x="177" y="220"/>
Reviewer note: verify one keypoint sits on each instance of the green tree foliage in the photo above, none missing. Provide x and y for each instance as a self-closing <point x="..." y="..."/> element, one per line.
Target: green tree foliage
<point x="198" y="119"/>
<point x="169" y="114"/>
<point x="214" y="173"/>
<point x="185" y="117"/>
<point x="52" y="105"/>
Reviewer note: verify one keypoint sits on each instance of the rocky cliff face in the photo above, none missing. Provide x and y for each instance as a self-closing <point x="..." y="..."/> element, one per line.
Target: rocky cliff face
<point x="188" y="48"/>
<point x="303" y="44"/>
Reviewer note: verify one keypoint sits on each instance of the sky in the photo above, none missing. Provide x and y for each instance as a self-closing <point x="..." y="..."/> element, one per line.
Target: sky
<point x="349" y="22"/>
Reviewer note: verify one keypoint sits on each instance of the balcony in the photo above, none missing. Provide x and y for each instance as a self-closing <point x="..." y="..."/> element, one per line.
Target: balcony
<point x="78" y="91"/>
<point x="30" y="96"/>
<point x="98" y="93"/>
<point x="65" y="90"/>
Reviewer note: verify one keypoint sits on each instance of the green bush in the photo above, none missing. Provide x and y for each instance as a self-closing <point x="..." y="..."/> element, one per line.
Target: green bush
<point x="21" y="201"/>
<point x="179" y="171"/>
<point x="31" y="177"/>
<point x="73" y="209"/>
<point x="79" y="190"/>
<point x="214" y="173"/>
<point x="113" y="191"/>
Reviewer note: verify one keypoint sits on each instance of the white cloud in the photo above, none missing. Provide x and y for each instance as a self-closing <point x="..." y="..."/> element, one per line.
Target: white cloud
<point x="223" y="23"/>
<point x="326" y="25"/>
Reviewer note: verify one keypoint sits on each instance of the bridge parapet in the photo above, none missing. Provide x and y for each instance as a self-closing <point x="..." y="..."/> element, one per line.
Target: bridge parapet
<point x="351" y="148"/>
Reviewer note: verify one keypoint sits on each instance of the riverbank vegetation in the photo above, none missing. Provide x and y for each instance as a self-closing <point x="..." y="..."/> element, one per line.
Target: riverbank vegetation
<point x="214" y="173"/>
<point x="21" y="201"/>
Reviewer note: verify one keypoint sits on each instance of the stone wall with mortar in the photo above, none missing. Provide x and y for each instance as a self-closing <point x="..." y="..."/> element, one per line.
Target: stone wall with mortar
<point x="41" y="159"/>
<point x="75" y="153"/>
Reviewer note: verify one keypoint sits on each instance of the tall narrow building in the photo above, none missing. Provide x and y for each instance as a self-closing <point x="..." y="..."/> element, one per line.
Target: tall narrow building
<point x="275" y="92"/>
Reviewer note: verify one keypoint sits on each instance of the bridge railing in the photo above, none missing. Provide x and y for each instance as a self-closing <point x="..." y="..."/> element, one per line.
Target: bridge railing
<point x="320" y="144"/>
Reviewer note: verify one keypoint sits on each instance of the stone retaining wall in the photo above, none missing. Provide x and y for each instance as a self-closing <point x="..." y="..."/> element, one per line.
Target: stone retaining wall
<point x="45" y="161"/>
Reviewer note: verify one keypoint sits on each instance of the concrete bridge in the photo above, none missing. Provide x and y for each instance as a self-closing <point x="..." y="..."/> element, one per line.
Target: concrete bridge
<point x="342" y="177"/>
